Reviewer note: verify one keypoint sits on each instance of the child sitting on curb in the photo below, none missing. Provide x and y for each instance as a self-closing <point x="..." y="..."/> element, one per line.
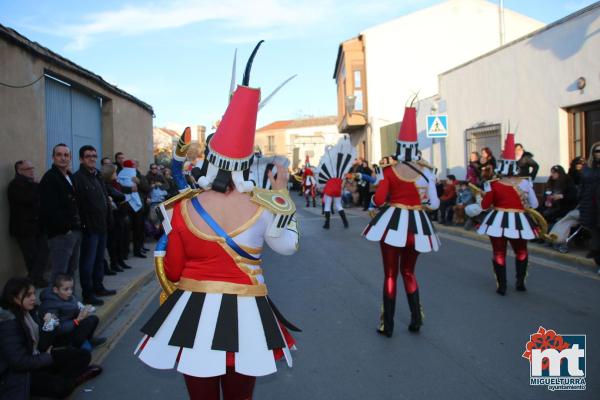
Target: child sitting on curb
<point x="76" y="325"/>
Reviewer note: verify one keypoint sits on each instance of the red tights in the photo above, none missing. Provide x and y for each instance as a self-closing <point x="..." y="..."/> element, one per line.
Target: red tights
<point x="403" y="257"/>
<point x="519" y="246"/>
<point x="235" y="386"/>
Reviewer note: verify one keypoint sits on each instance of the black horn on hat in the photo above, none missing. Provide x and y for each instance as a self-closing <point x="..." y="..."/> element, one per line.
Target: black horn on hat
<point x="246" y="80"/>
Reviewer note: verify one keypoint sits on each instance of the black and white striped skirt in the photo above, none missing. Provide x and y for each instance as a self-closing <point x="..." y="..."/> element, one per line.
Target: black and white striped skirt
<point x="508" y="224"/>
<point x="392" y="225"/>
<point x="194" y="331"/>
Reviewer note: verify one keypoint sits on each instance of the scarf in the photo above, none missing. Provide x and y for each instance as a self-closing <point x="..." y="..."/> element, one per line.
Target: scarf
<point x="34" y="331"/>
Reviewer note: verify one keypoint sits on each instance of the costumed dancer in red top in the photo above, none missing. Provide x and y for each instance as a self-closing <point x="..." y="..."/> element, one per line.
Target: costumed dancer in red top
<point x="507" y="199"/>
<point x="334" y="165"/>
<point x="309" y="184"/>
<point x="402" y="226"/>
<point x="216" y="324"/>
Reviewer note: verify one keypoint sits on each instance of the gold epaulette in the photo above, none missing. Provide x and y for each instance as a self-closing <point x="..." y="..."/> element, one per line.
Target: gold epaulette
<point x="276" y="201"/>
<point x="187" y="194"/>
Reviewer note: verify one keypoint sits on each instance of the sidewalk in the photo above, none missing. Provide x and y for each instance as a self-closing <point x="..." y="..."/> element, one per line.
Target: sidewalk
<point x="126" y="283"/>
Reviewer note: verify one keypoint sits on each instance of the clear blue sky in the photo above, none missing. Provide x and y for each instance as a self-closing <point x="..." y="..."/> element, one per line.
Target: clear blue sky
<point x="176" y="55"/>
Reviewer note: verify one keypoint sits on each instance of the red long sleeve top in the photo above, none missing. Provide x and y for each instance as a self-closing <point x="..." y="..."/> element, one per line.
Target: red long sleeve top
<point x="396" y="190"/>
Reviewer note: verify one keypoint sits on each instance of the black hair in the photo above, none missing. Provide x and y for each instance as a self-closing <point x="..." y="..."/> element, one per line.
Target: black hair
<point x="84" y="148"/>
<point x="519" y="145"/>
<point x="18" y="164"/>
<point x="105" y="158"/>
<point x="59" y="145"/>
<point x="452" y="177"/>
<point x="15" y="288"/>
<point x="60" y="278"/>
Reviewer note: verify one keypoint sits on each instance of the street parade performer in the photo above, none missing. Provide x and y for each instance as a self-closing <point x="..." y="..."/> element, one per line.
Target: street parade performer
<point x="216" y="324"/>
<point x="402" y="226"/>
<point x="309" y="184"/>
<point x="510" y="200"/>
<point x="334" y="165"/>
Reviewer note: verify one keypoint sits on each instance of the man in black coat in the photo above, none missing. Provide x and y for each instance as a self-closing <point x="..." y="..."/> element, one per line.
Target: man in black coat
<point x="94" y="207"/>
<point x="525" y="162"/>
<point x="24" y="202"/>
<point x="59" y="213"/>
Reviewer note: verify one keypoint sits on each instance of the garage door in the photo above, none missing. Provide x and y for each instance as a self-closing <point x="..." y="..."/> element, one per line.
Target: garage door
<point x="72" y="117"/>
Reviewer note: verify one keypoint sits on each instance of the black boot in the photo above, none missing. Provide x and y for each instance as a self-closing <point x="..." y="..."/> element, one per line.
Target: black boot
<point x="314" y="202"/>
<point x="322" y="208"/>
<point x="521" y="274"/>
<point x="307" y="203"/>
<point x="416" y="314"/>
<point x="386" y="326"/>
<point x="500" y="271"/>
<point x="344" y="219"/>
<point x="115" y="267"/>
<point x="327" y="218"/>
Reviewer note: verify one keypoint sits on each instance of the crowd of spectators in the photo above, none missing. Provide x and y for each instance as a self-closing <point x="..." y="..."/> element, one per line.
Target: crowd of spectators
<point x="65" y="226"/>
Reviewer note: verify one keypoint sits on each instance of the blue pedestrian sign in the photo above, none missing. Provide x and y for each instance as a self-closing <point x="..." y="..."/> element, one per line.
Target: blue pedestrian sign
<point x="437" y="126"/>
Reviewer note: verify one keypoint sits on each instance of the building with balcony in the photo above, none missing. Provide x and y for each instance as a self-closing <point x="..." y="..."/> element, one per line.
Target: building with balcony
<point x="378" y="71"/>
<point x="298" y="138"/>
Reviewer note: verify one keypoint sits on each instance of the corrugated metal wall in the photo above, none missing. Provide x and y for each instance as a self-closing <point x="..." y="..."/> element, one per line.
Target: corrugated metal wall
<point x="73" y="118"/>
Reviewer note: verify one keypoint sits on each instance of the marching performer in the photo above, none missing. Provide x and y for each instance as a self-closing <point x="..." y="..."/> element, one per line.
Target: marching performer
<point x="309" y="184"/>
<point x="334" y="165"/>
<point x="508" y="220"/>
<point x="402" y="226"/>
<point x="216" y="324"/>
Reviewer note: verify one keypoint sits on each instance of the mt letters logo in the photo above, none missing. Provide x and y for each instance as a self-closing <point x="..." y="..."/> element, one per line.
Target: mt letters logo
<point x="556" y="361"/>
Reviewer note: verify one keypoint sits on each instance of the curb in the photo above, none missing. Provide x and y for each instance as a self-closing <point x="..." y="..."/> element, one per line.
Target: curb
<point x="110" y="308"/>
<point x="567" y="257"/>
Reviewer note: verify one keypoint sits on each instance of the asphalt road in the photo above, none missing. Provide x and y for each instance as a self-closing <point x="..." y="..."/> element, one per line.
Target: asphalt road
<point x="469" y="348"/>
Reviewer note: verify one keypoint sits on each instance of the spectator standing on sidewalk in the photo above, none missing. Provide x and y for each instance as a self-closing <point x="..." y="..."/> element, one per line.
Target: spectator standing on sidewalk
<point x="116" y="218"/>
<point x="59" y="213"/>
<point x="448" y="200"/>
<point x="474" y="169"/>
<point x="487" y="164"/>
<point x="590" y="200"/>
<point x="94" y="207"/>
<point x="576" y="173"/>
<point x="525" y="162"/>
<point x="135" y="206"/>
<point x="119" y="160"/>
<point x="24" y="226"/>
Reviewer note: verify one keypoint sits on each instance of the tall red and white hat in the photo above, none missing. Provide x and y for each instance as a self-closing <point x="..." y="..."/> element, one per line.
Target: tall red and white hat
<point x="230" y="150"/>
<point x="407" y="145"/>
<point x="507" y="164"/>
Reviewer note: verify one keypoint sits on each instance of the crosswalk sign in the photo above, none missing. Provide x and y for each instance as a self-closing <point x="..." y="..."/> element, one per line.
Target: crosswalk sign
<point x="437" y="126"/>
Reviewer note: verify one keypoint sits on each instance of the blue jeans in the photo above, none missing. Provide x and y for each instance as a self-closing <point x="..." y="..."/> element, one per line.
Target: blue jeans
<point x="91" y="262"/>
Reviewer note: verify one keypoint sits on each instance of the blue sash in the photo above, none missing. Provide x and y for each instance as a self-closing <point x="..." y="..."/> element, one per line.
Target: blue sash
<point x="219" y="231"/>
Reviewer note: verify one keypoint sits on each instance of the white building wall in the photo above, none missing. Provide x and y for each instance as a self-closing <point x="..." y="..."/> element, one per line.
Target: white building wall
<point x="530" y="83"/>
<point x="311" y="139"/>
<point x="406" y="55"/>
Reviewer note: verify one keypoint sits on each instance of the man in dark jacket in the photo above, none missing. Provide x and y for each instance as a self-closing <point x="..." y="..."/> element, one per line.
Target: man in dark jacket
<point x="24" y="202"/>
<point x="59" y="213"/>
<point x="525" y="162"/>
<point x="94" y="207"/>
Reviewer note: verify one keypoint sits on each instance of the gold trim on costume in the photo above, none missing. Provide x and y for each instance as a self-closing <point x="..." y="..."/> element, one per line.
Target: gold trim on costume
<point x="159" y="268"/>
<point x="222" y="287"/>
<point x="405" y="207"/>
<point x="267" y="199"/>
<point x="515" y="210"/>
